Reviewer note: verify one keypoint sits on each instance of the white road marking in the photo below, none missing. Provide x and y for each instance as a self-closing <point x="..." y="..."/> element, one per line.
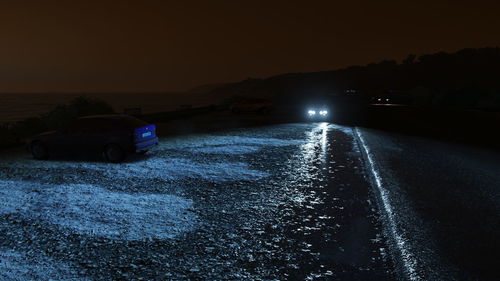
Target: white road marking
<point x="409" y="260"/>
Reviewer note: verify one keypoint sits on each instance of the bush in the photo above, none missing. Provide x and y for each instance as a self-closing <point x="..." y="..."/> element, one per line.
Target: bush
<point x="63" y="115"/>
<point x="59" y="117"/>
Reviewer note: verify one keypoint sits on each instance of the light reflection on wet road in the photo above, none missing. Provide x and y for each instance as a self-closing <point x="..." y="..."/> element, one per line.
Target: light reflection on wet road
<point x="341" y="222"/>
<point x="271" y="203"/>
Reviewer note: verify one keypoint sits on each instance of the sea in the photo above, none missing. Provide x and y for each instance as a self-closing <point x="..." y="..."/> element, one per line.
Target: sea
<point x="18" y="106"/>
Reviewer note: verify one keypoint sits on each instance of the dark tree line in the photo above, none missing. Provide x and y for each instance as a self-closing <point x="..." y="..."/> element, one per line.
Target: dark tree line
<point x="469" y="78"/>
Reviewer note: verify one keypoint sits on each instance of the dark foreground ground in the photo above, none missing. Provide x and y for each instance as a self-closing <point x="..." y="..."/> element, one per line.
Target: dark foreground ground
<point x="270" y="203"/>
<point x="298" y="201"/>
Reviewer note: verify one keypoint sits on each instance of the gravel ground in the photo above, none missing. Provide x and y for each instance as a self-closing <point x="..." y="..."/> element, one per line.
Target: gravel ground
<point x="285" y="202"/>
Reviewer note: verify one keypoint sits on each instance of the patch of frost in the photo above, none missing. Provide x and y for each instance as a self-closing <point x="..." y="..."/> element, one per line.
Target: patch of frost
<point x="208" y="141"/>
<point x="165" y="168"/>
<point x="14" y="196"/>
<point x="18" y="266"/>
<point x="93" y="210"/>
<point x="226" y="149"/>
<point x="176" y="168"/>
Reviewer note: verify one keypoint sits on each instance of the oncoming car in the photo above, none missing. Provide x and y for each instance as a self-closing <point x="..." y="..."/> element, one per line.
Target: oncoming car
<point x="317" y="113"/>
<point x="114" y="136"/>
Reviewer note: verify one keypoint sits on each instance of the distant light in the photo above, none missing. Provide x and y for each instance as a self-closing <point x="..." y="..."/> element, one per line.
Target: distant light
<point x="379" y="99"/>
<point x="386" y="99"/>
<point x="323" y="112"/>
<point x="311" y="112"/>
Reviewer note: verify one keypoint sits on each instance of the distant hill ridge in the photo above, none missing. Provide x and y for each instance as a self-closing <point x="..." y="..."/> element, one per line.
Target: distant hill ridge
<point x="467" y="78"/>
<point x="203" y="89"/>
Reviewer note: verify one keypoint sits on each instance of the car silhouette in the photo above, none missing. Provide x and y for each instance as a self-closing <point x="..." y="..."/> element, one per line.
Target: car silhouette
<point x="114" y="136"/>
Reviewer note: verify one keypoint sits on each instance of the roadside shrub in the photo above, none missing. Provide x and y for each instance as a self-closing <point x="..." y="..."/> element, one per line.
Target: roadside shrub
<point x="59" y="117"/>
<point x="63" y="115"/>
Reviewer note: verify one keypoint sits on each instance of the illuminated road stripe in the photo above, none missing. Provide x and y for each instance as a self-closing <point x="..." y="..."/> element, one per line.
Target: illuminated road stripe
<point x="409" y="260"/>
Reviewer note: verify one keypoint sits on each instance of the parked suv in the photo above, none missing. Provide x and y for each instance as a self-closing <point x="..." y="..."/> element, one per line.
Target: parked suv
<point x="114" y="136"/>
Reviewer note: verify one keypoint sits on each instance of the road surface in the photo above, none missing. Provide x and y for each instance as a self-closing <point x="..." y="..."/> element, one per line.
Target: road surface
<point x="311" y="201"/>
<point x="443" y="202"/>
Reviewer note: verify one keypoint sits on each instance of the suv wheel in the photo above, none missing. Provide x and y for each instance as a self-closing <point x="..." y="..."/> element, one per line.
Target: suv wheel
<point x="114" y="153"/>
<point x="39" y="151"/>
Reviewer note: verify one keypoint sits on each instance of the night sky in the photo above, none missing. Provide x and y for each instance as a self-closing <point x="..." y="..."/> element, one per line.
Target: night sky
<point x="106" y="46"/>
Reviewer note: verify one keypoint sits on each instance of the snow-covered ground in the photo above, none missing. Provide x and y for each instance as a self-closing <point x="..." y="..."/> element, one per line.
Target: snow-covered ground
<point x="94" y="210"/>
<point x="261" y="203"/>
<point x="22" y="266"/>
<point x="158" y="167"/>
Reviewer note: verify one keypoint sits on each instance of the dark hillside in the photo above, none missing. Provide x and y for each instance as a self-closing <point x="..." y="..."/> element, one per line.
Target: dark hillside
<point x="466" y="79"/>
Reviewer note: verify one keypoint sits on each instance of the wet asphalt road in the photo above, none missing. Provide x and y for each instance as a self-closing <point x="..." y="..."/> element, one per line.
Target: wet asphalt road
<point x="444" y="201"/>
<point x="284" y="202"/>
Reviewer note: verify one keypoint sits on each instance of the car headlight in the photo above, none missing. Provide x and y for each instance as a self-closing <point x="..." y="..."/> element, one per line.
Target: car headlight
<point x="323" y="112"/>
<point x="311" y="112"/>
